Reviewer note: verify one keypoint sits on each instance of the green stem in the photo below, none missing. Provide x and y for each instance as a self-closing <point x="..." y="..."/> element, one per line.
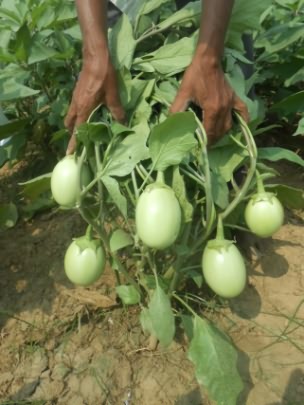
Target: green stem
<point x="100" y="184"/>
<point x="135" y="185"/>
<point x="252" y="150"/>
<point x="260" y="184"/>
<point x="193" y="177"/>
<point x="184" y="304"/>
<point x="220" y="229"/>
<point x="160" y="178"/>
<point x="204" y="162"/>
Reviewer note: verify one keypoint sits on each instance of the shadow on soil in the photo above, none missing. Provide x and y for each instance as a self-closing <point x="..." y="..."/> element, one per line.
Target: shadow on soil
<point x="294" y="391"/>
<point x="31" y="262"/>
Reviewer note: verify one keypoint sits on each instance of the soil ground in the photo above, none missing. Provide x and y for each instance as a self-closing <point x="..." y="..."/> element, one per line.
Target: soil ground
<point x="74" y="346"/>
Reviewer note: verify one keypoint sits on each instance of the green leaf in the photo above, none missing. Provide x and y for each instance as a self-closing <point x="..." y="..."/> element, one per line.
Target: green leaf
<point x="23" y="40"/>
<point x="225" y="160"/>
<point x="8" y="216"/>
<point x="13" y="127"/>
<point x="172" y="140"/>
<point x="118" y="199"/>
<point x="290" y="197"/>
<point x="33" y="188"/>
<point x="162" y="318"/>
<point x="119" y="240"/>
<point x="300" y="129"/>
<point x="128" y="294"/>
<point x="145" y="321"/>
<point x="245" y="18"/>
<point x="215" y="361"/>
<point x="220" y="191"/>
<point x="191" y="12"/>
<point x="39" y="52"/>
<point x="274" y="154"/>
<point x="122" y="43"/>
<point x="172" y="58"/>
<point x="290" y="105"/>
<point x="11" y="90"/>
<point x="280" y="37"/>
<point x="92" y="132"/>
<point x="298" y="76"/>
<point x="126" y="155"/>
<point x="179" y="187"/>
<point x="130" y="8"/>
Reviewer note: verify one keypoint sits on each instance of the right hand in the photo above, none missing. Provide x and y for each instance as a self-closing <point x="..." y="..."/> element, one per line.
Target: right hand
<point x="97" y="84"/>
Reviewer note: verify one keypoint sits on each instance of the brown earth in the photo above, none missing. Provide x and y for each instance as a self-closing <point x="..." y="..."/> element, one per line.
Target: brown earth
<point x="73" y="346"/>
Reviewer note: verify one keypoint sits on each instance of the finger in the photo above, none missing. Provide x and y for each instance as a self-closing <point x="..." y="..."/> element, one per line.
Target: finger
<point x="72" y="144"/>
<point x="69" y="121"/>
<point x="181" y="101"/>
<point x="114" y="105"/>
<point x="210" y="122"/>
<point x="241" y="108"/>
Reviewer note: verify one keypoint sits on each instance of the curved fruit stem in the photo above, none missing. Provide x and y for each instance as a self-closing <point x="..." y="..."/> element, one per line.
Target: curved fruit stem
<point x="204" y="162"/>
<point x="160" y="178"/>
<point x="260" y="184"/>
<point x="253" y="154"/>
<point x="220" y="229"/>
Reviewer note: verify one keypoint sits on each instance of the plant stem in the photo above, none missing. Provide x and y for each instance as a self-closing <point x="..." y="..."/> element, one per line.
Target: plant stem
<point x="220" y="229"/>
<point x="260" y="184"/>
<point x="135" y="185"/>
<point x="160" y="177"/>
<point x="184" y="304"/>
<point x="252" y="150"/>
<point x="100" y="185"/>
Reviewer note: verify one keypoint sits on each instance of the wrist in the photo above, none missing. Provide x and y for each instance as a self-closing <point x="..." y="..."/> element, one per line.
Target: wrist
<point x="207" y="56"/>
<point x="94" y="48"/>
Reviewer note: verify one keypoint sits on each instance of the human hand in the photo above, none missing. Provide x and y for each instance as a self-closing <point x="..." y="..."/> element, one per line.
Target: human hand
<point x="204" y="84"/>
<point x="97" y="84"/>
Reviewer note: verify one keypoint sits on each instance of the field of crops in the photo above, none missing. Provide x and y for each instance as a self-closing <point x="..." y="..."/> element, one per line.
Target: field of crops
<point x="150" y="267"/>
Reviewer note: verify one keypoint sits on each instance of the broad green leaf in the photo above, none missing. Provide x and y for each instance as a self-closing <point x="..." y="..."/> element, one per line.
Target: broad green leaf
<point x="74" y="32"/>
<point x="12" y="148"/>
<point x="145" y="321"/>
<point x="11" y="90"/>
<point x="127" y="155"/>
<point x="172" y="58"/>
<point x="39" y="52"/>
<point x="128" y="294"/>
<point x="300" y="129"/>
<point x="298" y="76"/>
<point x="150" y="6"/>
<point x="245" y="18"/>
<point x="162" y="318"/>
<point x="119" y="240"/>
<point x="215" y="361"/>
<point x="172" y="140"/>
<point x="130" y="8"/>
<point x="291" y="104"/>
<point x="179" y="187"/>
<point x="23" y="40"/>
<point x="166" y="91"/>
<point x="33" y="188"/>
<point x="37" y="205"/>
<point x="122" y="43"/>
<point x="290" y="197"/>
<point x="13" y="127"/>
<point x="220" y="191"/>
<point x="118" y="199"/>
<point x="92" y="132"/>
<point x="191" y="12"/>
<point x="280" y="37"/>
<point x="274" y="154"/>
<point x="8" y="216"/>
<point x="226" y="159"/>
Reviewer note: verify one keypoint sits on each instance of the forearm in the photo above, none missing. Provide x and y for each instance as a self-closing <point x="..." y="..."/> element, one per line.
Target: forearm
<point x="92" y="16"/>
<point x="214" y="23"/>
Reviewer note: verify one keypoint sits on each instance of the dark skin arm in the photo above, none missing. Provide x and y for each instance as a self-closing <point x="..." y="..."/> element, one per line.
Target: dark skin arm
<point x="204" y="82"/>
<point x="97" y="83"/>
